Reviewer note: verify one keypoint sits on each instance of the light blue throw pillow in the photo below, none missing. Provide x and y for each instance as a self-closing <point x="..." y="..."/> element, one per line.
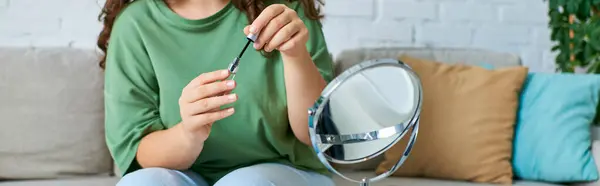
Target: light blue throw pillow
<point x="552" y="140"/>
<point x="552" y="137"/>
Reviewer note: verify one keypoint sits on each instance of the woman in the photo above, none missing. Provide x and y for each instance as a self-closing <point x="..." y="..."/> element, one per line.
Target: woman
<point x="173" y="118"/>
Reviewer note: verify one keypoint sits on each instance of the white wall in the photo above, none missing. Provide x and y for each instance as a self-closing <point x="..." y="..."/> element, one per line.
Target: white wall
<point x="516" y="26"/>
<point x="49" y="23"/>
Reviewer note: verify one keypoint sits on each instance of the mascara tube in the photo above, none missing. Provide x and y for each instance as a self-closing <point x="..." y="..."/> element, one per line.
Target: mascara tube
<point x="233" y="66"/>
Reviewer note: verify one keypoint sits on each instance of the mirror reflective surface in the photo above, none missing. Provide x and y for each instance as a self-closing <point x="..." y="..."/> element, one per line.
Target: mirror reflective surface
<point x="365" y="111"/>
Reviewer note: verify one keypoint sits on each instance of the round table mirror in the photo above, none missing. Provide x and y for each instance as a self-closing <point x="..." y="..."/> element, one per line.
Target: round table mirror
<point x="365" y="111"/>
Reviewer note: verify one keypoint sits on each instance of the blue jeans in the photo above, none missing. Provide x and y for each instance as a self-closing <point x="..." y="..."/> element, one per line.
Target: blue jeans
<point x="267" y="174"/>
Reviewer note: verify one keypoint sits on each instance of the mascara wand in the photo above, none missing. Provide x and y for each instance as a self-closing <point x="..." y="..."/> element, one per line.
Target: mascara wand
<point x="233" y="66"/>
<point x="245" y="47"/>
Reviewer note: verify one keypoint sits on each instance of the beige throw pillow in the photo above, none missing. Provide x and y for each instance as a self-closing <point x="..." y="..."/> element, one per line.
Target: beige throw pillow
<point x="466" y="126"/>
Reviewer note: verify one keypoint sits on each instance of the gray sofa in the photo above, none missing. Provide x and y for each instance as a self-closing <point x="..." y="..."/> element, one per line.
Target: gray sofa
<point x="51" y="115"/>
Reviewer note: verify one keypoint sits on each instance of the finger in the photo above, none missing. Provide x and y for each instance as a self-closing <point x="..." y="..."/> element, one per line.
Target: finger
<point x="283" y="35"/>
<point x="246" y="30"/>
<point x="209" y="90"/>
<point x="210" y="117"/>
<point x="208" y="77"/>
<point x="227" y="92"/>
<point x="265" y="16"/>
<point x="294" y="41"/>
<point x="209" y="104"/>
<point x="214" y="89"/>
<point x="266" y="35"/>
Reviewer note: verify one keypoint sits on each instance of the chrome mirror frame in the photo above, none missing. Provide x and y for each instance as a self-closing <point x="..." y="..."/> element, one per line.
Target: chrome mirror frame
<point x="322" y="142"/>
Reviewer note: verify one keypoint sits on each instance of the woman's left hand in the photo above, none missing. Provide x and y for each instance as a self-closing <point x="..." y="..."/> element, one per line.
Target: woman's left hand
<point x="279" y="28"/>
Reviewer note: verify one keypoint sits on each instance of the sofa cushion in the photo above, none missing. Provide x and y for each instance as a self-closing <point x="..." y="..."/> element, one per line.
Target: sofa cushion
<point x="89" y="181"/>
<point x="596" y="156"/>
<point x="51" y="118"/>
<point x="466" y="126"/>
<point x="552" y="135"/>
<point x="403" y="181"/>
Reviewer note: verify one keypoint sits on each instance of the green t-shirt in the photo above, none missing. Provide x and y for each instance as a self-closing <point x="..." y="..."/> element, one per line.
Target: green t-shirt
<point x="153" y="53"/>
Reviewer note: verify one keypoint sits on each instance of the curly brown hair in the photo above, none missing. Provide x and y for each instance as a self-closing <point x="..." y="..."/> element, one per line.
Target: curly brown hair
<point x="251" y="8"/>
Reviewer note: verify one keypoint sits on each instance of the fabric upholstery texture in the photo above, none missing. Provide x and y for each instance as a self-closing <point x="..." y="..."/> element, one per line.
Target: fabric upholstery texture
<point x="391" y="181"/>
<point x="12" y="57"/>
<point x="467" y="123"/>
<point x="87" y="181"/>
<point x="596" y="155"/>
<point x="403" y="181"/>
<point x="348" y="58"/>
<point x="51" y="114"/>
<point x="552" y="135"/>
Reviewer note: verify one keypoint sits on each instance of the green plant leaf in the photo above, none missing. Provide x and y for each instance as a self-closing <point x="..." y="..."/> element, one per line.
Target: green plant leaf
<point x="594" y="38"/>
<point x="572" y="6"/>
<point x="585" y="10"/>
<point x="584" y="45"/>
<point x="555" y="48"/>
<point x="594" y="68"/>
<point x="595" y="3"/>
<point x="587" y="55"/>
<point x="553" y="4"/>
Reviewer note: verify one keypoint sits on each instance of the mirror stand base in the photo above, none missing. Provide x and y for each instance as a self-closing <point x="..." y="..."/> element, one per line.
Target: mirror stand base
<point x="364" y="182"/>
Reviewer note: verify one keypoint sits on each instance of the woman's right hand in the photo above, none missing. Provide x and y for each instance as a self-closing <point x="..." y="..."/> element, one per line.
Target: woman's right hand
<point x="201" y="100"/>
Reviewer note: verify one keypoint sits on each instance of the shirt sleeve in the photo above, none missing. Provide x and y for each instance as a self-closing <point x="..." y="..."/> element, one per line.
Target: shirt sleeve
<point x="130" y="93"/>
<point x="316" y="45"/>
